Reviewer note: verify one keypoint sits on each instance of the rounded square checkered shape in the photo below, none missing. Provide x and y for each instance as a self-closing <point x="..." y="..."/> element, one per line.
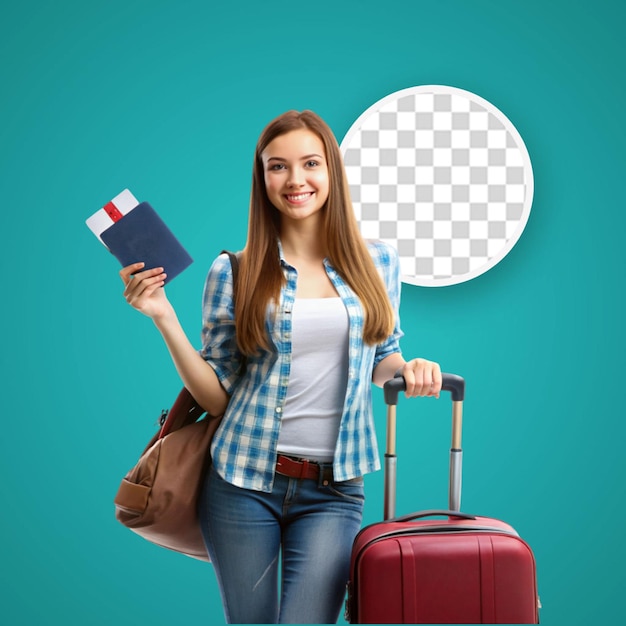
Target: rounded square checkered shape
<point x="442" y="175"/>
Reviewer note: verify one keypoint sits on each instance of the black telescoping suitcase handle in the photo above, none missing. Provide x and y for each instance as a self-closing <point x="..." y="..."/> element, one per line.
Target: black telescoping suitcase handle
<point x="456" y="386"/>
<point x="450" y="382"/>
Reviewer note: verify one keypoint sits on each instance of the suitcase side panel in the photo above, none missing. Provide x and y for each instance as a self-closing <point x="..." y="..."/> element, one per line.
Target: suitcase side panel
<point x="515" y="577"/>
<point x="444" y="578"/>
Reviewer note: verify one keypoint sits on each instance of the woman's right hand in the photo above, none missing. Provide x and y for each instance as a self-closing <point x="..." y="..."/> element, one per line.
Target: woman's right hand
<point x="144" y="290"/>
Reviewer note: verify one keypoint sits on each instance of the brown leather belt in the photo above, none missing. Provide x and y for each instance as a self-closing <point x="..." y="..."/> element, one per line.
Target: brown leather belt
<point x="301" y="468"/>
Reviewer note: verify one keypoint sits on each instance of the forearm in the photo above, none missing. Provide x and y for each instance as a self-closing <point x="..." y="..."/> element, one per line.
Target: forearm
<point x="387" y="368"/>
<point x="421" y="377"/>
<point x="197" y="375"/>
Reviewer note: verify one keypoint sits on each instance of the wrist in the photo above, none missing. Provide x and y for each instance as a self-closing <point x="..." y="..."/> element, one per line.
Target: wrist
<point x="166" y="320"/>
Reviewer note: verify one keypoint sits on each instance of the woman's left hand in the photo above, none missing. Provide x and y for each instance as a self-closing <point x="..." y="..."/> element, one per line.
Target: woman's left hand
<point x="423" y="378"/>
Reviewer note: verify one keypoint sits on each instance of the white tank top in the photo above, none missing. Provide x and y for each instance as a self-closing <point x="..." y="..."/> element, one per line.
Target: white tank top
<point x="318" y="379"/>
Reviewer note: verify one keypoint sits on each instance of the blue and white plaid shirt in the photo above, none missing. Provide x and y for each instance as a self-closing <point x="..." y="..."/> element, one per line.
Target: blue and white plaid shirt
<point x="244" y="447"/>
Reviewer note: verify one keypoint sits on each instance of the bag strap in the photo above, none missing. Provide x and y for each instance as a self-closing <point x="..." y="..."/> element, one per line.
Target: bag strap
<point x="234" y="264"/>
<point x="185" y="409"/>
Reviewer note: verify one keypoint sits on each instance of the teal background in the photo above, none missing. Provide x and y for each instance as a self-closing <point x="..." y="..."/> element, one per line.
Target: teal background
<point x="168" y="98"/>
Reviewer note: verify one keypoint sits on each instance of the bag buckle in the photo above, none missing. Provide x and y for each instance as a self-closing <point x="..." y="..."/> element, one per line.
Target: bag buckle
<point x="162" y="418"/>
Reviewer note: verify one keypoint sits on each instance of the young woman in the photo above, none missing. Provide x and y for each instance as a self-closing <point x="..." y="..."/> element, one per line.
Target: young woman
<point x="314" y="321"/>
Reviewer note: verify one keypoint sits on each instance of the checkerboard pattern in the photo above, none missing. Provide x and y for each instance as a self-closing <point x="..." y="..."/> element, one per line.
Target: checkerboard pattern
<point x="443" y="176"/>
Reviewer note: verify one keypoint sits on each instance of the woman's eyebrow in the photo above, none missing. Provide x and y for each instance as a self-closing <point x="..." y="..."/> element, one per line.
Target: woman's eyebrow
<point x="304" y="158"/>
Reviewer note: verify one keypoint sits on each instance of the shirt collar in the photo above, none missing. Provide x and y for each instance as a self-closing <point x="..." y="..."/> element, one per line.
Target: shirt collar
<point x="281" y="254"/>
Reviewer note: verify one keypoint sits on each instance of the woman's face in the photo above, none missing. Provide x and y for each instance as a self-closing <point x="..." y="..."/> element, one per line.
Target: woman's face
<point x="296" y="174"/>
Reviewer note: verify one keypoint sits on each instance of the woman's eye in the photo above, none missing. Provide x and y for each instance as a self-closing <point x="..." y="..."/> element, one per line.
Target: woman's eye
<point x="277" y="166"/>
<point x="312" y="164"/>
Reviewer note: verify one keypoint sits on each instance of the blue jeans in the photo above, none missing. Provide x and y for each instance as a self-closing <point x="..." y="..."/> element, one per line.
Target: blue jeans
<point x="302" y="531"/>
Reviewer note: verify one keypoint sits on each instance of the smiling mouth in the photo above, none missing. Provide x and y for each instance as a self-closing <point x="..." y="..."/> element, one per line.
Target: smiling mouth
<point x="299" y="197"/>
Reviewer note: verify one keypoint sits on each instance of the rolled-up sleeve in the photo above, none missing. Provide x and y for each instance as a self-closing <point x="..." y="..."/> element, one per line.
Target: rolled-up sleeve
<point x="219" y="343"/>
<point x="388" y="263"/>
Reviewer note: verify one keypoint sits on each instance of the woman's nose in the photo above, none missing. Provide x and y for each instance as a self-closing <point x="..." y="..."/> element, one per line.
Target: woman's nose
<point x="296" y="177"/>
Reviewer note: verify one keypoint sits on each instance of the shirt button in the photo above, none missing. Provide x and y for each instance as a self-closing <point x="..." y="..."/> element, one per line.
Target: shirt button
<point x="279" y="409"/>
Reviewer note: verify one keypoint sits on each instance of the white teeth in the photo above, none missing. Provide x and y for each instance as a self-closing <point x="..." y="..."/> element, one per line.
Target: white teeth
<point x="300" y="196"/>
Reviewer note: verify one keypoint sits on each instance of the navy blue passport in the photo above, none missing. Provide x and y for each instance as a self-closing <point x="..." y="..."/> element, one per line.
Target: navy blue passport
<point x="142" y="236"/>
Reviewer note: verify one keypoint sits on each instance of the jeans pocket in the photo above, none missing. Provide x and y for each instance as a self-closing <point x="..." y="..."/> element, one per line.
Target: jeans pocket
<point x="348" y="489"/>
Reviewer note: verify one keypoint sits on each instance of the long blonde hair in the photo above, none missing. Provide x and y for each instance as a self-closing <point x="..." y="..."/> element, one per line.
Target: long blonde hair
<point x="261" y="277"/>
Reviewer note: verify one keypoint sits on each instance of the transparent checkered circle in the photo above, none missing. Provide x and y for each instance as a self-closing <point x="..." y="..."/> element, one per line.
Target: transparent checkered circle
<point x="442" y="175"/>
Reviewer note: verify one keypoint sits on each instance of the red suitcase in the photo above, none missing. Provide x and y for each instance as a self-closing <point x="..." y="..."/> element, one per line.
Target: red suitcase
<point x="462" y="569"/>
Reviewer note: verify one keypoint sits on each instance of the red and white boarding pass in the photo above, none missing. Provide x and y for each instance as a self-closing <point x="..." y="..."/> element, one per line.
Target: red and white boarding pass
<point x="111" y="212"/>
